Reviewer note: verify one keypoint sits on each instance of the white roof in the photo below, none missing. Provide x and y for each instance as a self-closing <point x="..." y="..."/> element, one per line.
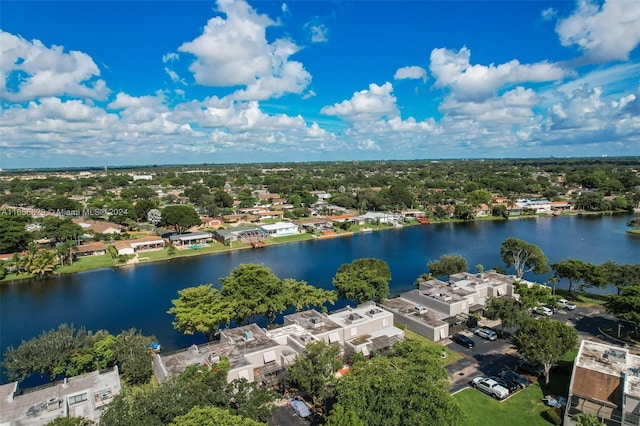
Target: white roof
<point x="278" y="225"/>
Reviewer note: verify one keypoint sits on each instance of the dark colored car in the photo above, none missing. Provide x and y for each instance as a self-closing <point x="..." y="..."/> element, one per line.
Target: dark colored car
<point x="463" y="340"/>
<point x="530" y="367"/>
<point x="515" y="377"/>
<point x="509" y="385"/>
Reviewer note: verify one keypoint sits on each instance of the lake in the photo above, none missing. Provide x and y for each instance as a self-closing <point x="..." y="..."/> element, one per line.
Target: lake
<point x="139" y="296"/>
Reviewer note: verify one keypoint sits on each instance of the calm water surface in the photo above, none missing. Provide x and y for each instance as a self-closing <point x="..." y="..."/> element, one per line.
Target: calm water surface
<point x="139" y="296"/>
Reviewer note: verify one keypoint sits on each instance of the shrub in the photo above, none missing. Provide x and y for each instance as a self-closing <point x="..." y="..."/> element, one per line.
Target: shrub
<point x="553" y="415"/>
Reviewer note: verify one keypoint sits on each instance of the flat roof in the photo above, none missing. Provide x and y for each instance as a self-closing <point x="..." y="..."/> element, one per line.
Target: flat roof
<point x="37" y="406"/>
<point x="408" y="309"/>
<point x="312" y="321"/>
<point x="612" y="361"/>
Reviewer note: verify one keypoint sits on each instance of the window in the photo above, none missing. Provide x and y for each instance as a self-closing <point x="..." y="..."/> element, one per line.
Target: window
<point x="77" y="398"/>
<point x="354" y="331"/>
<point x="385" y="322"/>
<point x="334" y="337"/>
<point x="269" y="357"/>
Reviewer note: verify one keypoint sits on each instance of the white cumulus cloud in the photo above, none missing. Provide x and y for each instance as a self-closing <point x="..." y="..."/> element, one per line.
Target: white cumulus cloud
<point x="235" y="52"/>
<point x="603" y="32"/>
<point x="30" y="70"/>
<point x="412" y="72"/>
<point x="453" y="70"/>
<point x="369" y="104"/>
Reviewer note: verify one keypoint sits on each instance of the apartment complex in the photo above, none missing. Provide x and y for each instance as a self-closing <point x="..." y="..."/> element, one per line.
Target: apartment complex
<point x="260" y="355"/>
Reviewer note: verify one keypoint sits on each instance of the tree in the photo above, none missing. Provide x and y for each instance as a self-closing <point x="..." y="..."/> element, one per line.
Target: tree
<point x="533" y="296"/>
<point x="524" y="257"/>
<point x="506" y="309"/>
<point x="314" y="370"/>
<point x="341" y="417"/>
<point x="201" y="309"/>
<point x="212" y="416"/>
<point x="626" y="305"/>
<point x="60" y="230"/>
<point x="15" y="237"/>
<point x="448" y="264"/>
<point x="621" y="276"/>
<point x="580" y="273"/>
<point x="43" y="264"/>
<point x="131" y="350"/>
<point x="142" y="209"/>
<point x="65" y="252"/>
<point x="405" y="388"/>
<point x="586" y="419"/>
<point x="303" y="296"/>
<point x="180" y="217"/>
<point x="363" y="280"/>
<point x="544" y="341"/>
<point x="256" y="290"/>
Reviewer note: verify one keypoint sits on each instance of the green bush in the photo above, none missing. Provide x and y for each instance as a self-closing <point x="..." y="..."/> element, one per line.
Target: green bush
<point x="553" y="415"/>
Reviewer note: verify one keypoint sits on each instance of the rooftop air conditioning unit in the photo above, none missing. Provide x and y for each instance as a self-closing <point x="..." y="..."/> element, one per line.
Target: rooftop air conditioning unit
<point x="247" y="335"/>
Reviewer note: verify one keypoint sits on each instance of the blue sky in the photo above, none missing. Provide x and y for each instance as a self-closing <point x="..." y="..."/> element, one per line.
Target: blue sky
<point x="132" y="83"/>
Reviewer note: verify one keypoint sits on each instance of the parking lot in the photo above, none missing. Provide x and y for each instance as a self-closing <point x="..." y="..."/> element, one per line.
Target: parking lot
<point x="488" y="358"/>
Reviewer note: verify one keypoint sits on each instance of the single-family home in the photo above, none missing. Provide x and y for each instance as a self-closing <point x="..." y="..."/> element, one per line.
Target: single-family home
<point x="280" y="229"/>
<point x="190" y="239"/>
<point x="92" y="249"/>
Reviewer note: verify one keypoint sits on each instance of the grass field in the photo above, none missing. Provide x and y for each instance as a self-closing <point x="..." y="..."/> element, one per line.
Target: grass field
<point x="523" y="409"/>
<point x="451" y="355"/>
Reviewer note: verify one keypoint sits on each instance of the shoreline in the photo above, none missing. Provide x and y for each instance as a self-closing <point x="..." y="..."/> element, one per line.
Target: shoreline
<point x="18" y="279"/>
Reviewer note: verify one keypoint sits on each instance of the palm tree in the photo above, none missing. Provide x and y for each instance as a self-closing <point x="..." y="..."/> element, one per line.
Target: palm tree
<point x="26" y="261"/>
<point x="44" y="264"/>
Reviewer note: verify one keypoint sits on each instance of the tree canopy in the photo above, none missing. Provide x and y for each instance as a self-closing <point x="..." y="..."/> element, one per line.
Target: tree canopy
<point x="314" y="369"/>
<point x="544" y="341"/>
<point x="363" y="280"/>
<point x="578" y="272"/>
<point x="201" y="309"/>
<point x="212" y="416"/>
<point x="68" y="351"/>
<point x="524" y="257"/>
<point x="405" y="388"/>
<point x="448" y="264"/>
<point x="506" y="309"/>
<point x="626" y="305"/>
<point x="197" y="386"/>
<point x="180" y="217"/>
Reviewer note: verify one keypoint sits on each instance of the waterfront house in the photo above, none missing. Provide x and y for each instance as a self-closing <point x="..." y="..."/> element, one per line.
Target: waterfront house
<point x="190" y="239"/>
<point x="377" y="217"/>
<point x="262" y="355"/>
<point x="91" y="249"/>
<point x="280" y="229"/>
<point x="242" y="234"/>
<point x="437" y="309"/>
<point x="148" y="243"/>
<point x="98" y="226"/>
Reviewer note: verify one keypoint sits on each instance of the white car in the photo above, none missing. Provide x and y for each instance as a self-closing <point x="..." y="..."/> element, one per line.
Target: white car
<point x="542" y="310"/>
<point x="485" y="333"/>
<point x="564" y="304"/>
<point x="491" y="387"/>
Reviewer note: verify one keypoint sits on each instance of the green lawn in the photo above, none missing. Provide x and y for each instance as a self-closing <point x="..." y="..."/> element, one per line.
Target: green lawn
<point x="87" y="263"/>
<point x="525" y="408"/>
<point x="451" y="355"/>
<point x="289" y="238"/>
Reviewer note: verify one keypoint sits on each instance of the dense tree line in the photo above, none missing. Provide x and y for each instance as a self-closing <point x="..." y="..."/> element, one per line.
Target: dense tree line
<point x="69" y="351"/>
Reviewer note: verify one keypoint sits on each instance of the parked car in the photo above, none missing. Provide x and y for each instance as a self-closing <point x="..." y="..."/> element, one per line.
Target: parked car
<point x="463" y="340"/>
<point x="564" y="304"/>
<point x="509" y="385"/>
<point x="490" y="386"/>
<point x="542" y="310"/>
<point x="485" y="333"/>
<point x="512" y="375"/>
<point x="530" y="367"/>
<point x="298" y="405"/>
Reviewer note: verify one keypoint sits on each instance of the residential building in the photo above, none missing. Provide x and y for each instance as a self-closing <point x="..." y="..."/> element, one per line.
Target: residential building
<point x="98" y="226"/>
<point x="261" y="355"/>
<point x="605" y="382"/>
<point x="379" y="217"/>
<point x="437" y="309"/>
<point x="91" y="249"/>
<point x="148" y="243"/>
<point x="242" y="234"/>
<point x="190" y="239"/>
<point x="280" y="229"/>
<point x="79" y="396"/>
